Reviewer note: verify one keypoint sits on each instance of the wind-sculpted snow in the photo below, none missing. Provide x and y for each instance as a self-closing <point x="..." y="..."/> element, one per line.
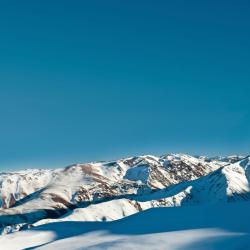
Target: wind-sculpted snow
<point x="106" y="191"/>
<point x="186" y="228"/>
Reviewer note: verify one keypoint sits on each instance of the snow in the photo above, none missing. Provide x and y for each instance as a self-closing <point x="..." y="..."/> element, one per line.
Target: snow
<point x="16" y="185"/>
<point x="105" y="211"/>
<point x="142" y="201"/>
<point x="199" y="227"/>
<point x="226" y="184"/>
<point x="140" y="173"/>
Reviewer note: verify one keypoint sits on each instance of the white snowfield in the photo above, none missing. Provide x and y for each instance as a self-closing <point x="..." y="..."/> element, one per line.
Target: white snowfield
<point x="195" y="228"/>
<point x="171" y="202"/>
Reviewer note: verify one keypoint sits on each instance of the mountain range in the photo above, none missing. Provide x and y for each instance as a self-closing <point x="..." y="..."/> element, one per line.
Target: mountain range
<point x="112" y="190"/>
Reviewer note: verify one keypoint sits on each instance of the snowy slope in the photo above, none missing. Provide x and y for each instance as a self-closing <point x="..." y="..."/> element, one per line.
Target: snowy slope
<point x="40" y="194"/>
<point x="226" y="184"/>
<point x="106" y="191"/>
<point x="198" y="227"/>
<point x="16" y="186"/>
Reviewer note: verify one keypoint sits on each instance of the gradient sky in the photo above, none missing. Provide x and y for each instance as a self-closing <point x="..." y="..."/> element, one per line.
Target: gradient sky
<point x="96" y="80"/>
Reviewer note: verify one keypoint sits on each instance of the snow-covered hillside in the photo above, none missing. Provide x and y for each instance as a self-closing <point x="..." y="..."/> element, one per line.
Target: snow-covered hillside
<point x="190" y="228"/>
<point x="227" y="184"/>
<point x="108" y="191"/>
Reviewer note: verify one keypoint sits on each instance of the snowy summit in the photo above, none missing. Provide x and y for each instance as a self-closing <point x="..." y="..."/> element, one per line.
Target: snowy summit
<point x="129" y="202"/>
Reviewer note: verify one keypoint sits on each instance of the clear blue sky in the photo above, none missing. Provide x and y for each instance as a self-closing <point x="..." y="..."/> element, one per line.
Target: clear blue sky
<point x="93" y="80"/>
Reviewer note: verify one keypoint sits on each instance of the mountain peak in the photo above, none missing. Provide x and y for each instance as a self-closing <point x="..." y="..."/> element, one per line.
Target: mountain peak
<point x="127" y="186"/>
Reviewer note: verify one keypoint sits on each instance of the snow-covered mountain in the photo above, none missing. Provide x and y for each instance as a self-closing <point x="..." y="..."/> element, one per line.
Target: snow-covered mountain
<point x="106" y="191"/>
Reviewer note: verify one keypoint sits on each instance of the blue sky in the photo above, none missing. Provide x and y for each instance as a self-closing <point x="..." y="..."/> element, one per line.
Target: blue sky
<point x="94" y="80"/>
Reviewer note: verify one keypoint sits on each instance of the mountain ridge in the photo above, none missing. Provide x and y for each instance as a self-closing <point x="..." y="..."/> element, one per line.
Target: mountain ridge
<point x="111" y="190"/>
